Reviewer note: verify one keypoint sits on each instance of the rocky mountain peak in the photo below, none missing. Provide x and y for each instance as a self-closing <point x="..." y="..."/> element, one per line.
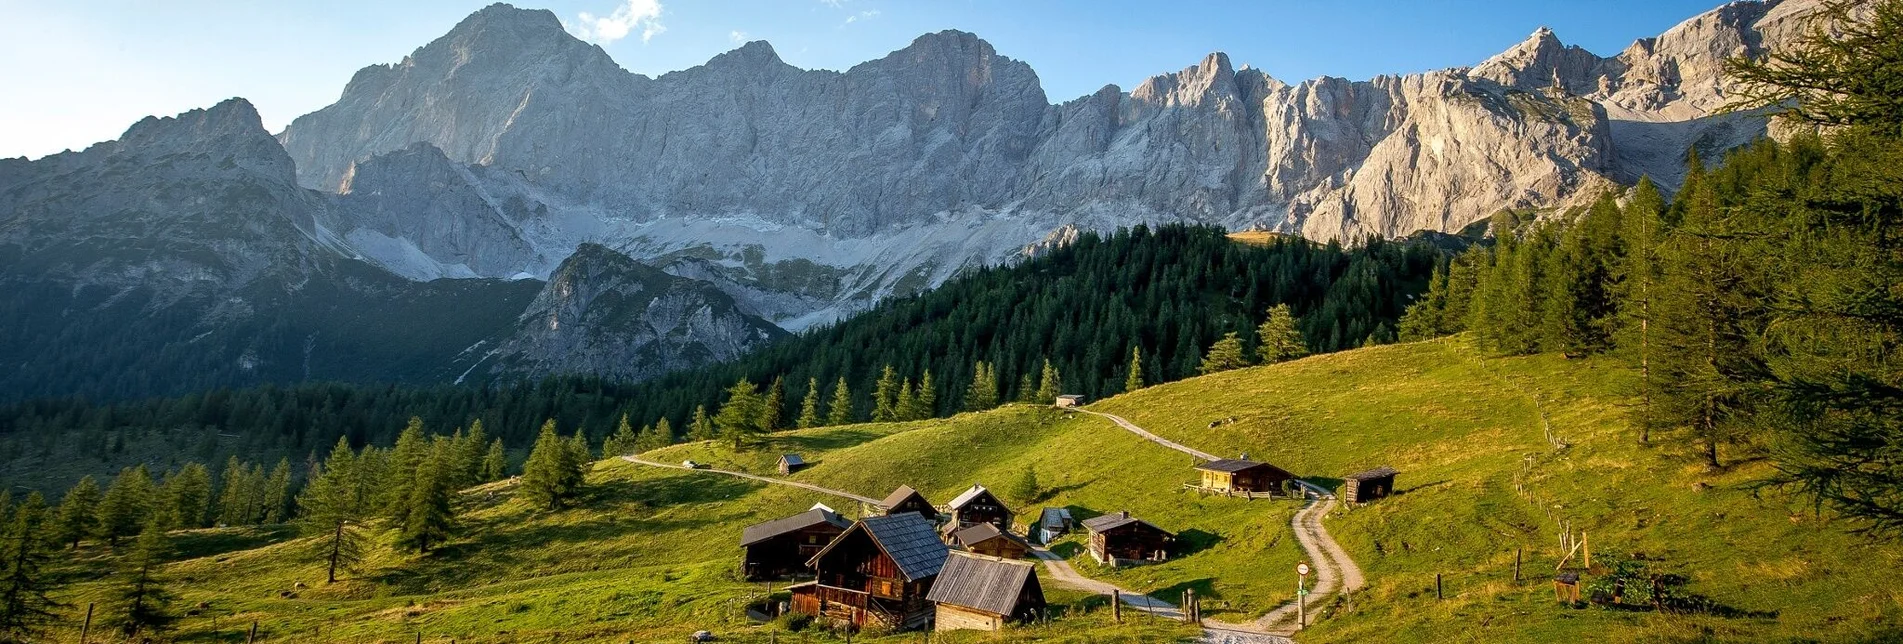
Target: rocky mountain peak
<point x="758" y="54"/>
<point x="1542" y="61"/>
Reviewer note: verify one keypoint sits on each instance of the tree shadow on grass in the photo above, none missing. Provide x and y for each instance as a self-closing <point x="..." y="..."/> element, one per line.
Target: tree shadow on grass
<point x="194" y="544"/>
<point x="1192" y="541"/>
<point x="1205" y="588"/>
<point x="1329" y="483"/>
<point x="839" y="439"/>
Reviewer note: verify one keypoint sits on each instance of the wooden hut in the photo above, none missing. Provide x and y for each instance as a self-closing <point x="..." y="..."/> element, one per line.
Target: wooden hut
<point x="1119" y="538"/>
<point x="987" y="539"/>
<point x="978" y="505"/>
<point x="1362" y="487"/>
<point x="905" y="499"/>
<point x="876" y="573"/>
<point x="1069" y="400"/>
<point x="1241" y="476"/>
<point x="790" y="463"/>
<point x="1051" y="524"/>
<point x="781" y="547"/>
<point x="985" y="593"/>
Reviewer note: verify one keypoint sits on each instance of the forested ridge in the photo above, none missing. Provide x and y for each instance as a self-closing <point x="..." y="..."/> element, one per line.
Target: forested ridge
<point x="1068" y="321"/>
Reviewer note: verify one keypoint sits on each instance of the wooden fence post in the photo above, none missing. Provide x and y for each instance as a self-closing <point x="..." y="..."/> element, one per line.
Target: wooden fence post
<point x="1585" y="546"/>
<point x="252" y="636"/>
<point x="86" y="627"/>
<point x="1437" y="593"/>
<point x="1516" y="565"/>
<point x="1116" y="605"/>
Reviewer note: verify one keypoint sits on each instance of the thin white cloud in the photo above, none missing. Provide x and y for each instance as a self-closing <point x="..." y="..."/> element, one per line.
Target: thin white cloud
<point x="628" y="17"/>
<point x="833" y="3"/>
<point x="863" y="15"/>
<point x="738" y="37"/>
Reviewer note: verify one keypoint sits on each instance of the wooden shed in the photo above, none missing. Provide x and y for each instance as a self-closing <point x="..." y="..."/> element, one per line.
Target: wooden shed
<point x="1241" y="476"/>
<point x="790" y="463"/>
<point x="1119" y="538"/>
<point x="987" y="539"/>
<point x="985" y="593"/>
<point x="905" y="499"/>
<point x="876" y="573"/>
<point x="781" y="547"/>
<point x="1069" y="400"/>
<point x="1362" y="487"/>
<point x="978" y="505"/>
<point x="1051" y="524"/>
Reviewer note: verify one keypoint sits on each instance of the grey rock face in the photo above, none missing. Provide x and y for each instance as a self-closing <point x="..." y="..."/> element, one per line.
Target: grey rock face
<point x="422" y="216"/>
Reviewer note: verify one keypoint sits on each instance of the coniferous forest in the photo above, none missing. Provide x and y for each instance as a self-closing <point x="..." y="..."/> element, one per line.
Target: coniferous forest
<point x="1076" y="320"/>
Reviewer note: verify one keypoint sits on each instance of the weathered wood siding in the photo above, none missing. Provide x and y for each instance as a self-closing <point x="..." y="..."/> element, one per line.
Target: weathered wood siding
<point x="956" y="618"/>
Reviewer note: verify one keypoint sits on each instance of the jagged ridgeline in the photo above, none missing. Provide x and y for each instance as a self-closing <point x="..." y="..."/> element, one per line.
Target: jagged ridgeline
<point x="1163" y="294"/>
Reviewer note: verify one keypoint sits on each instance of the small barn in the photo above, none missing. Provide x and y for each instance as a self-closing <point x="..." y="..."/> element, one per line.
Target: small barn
<point x="1119" y="538"/>
<point x="1241" y="476"/>
<point x="790" y="463"/>
<point x="905" y="499"/>
<point x="978" y="505"/>
<point x="781" y="547"/>
<point x="1362" y="487"/>
<point x="876" y="573"/>
<point x="1051" y="524"/>
<point x="1070" y="400"/>
<point x="985" y="593"/>
<point x="987" y="539"/>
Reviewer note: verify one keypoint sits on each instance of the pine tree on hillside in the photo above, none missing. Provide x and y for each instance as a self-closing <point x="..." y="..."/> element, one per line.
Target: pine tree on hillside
<point x="27" y="608"/>
<point x="622" y="442"/>
<point x="839" y="411"/>
<point x="1224" y="355"/>
<point x="1027" y="390"/>
<point x="1427" y="317"/>
<point x="1641" y="233"/>
<point x="126" y="505"/>
<point x="773" y="406"/>
<point x="549" y="476"/>
<point x="431" y="517"/>
<point x="495" y="463"/>
<point x="740" y="417"/>
<point x="885" y="396"/>
<point x="925" y="403"/>
<point x="140" y="603"/>
<point x="334" y="503"/>
<point x="1279" y="337"/>
<point x="907" y="405"/>
<point x="187" y="496"/>
<point x="1049" y="385"/>
<point x="809" y="406"/>
<point x="278" y="493"/>
<point x="1133" y="378"/>
<point x="409" y="452"/>
<point x="656" y="437"/>
<point x="580" y="458"/>
<point x="240" y="493"/>
<point x="78" y="513"/>
<point x="1025" y="488"/>
<point x="983" y="392"/>
<point x="702" y="426"/>
<point x="470" y="454"/>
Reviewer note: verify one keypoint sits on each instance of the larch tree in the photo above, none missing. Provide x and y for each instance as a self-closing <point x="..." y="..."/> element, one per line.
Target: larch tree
<point x="140" y="602"/>
<point x="334" y="504"/>
<point x="983" y="392"/>
<point x="495" y="464"/>
<point x="126" y="506"/>
<point x="187" y="496"/>
<point x="549" y="477"/>
<point x="78" y="513"/>
<point x="742" y="414"/>
<point x="1279" y="338"/>
<point x="1224" y="355"/>
<point x="27" y="608"/>
<point x="701" y="428"/>
<point x="431" y="516"/>
<point x="1050" y="384"/>
<point x="1133" y="376"/>
<point x="885" y="396"/>
<point x="773" y="406"/>
<point x="622" y="441"/>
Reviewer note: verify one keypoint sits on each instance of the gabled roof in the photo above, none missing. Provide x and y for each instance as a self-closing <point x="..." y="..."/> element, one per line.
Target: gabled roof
<point x="899" y="495"/>
<point x="791" y="459"/>
<point x="907" y="538"/>
<point x="972" y="495"/>
<point x="763" y="531"/>
<point x="1117" y="520"/>
<point x="982" y="583"/>
<point x="1371" y="474"/>
<point x="1053" y="517"/>
<point x="1231" y="465"/>
<point x="984" y="532"/>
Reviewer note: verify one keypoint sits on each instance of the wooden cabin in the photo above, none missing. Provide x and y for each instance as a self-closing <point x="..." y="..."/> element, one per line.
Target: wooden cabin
<point x="978" y="505"/>
<point x="1119" y="538"/>
<point x="790" y="463"/>
<point x="987" y="539"/>
<point x="985" y="593"/>
<point x="1362" y="487"/>
<point x="1234" y="475"/>
<point x="905" y="499"/>
<point x="876" y="573"/>
<point x="781" y="547"/>
<point x="1069" y="400"/>
<point x="1051" y="524"/>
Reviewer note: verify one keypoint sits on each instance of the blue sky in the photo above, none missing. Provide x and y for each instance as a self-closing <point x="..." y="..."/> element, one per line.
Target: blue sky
<point x="75" y="73"/>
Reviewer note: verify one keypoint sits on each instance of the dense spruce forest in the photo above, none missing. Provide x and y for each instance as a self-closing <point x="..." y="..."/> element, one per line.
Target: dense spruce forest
<point x="1076" y="319"/>
<point x="1760" y="308"/>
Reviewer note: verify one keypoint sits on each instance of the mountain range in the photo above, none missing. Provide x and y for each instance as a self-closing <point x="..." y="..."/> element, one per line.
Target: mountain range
<point x="508" y="201"/>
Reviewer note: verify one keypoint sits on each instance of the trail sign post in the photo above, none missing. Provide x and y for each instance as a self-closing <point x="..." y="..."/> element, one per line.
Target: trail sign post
<point x="1301" y="596"/>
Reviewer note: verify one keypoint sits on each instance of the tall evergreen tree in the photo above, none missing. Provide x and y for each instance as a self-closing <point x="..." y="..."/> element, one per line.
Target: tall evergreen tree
<point x="409" y="452"/>
<point x="885" y="396"/>
<point x="550" y="476"/>
<point x="79" y="513"/>
<point x="773" y="406"/>
<point x="1642" y="229"/>
<point x="333" y="505"/>
<point x="1133" y="377"/>
<point x="925" y="403"/>
<point x="809" y="406"/>
<point x="278" y="493"/>
<point x="1224" y="355"/>
<point x="1279" y="338"/>
<point x="471" y="452"/>
<point x="906" y="408"/>
<point x="702" y="427"/>
<point x="742" y="414"/>
<point x="187" y="496"/>
<point x="141" y="604"/>
<point x="983" y="392"/>
<point x="431" y="516"/>
<point x="126" y="505"/>
<point x="622" y="442"/>
<point x="839" y="411"/>
<point x="1050" y="384"/>
<point x="26" y="603"/>
<point x="495" y="464"/>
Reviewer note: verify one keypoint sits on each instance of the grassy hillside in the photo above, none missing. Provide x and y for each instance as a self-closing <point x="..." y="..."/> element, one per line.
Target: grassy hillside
<point x="649" y="555"/>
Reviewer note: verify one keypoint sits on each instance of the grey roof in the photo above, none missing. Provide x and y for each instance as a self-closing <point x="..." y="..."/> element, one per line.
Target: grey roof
<point x="898" y="496"/>
<point x="983" y="532"/>
<point x="792" y="459"/>
<point x="1116" y="520"/>
<point x="1230" y="465"/>
<point x="1053" y="517"/>
<point x="967" y="496"/>
<point x="909" y="540"/>
<point x="1371" y="474"/>
<point x="763" y="531"/>
<point x="983" y="583"/>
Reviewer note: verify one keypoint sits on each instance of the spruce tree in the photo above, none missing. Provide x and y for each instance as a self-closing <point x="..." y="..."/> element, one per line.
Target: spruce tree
<point x="495" y="464"/>
<point x="622" y="442"/>
<point x="1049" y="384"/>
<point x="126" y="506"/>
<point x="430" y="518"/>
<point x="26" y="605"/>
<point x="740" y="417"/>
<point x="1133" y="377"/>
<point x="1027" y="391"/>
<point x="277" y="493"/>
<point x="140" y="603"/>
<point x="1641" y="232"/>
<point x="1279" y="337"/>
<point x="906" y="408"/>
<point x="773" y="406"/>
<point x="78" y="513"/>
<point x="925" y="403"/>
<point x="702" y="427"/>
<point x="983" y="392"/>
<point x="839" y="411"/>
<point x="333" y="505"/>
<point x="470" y="455"/>
<point x="1224" y="355"/>
<point x="809" y="406"/>
<point x="242" y="493"/>
<point x="409" y="452"/>
<point x="885" y="396"/>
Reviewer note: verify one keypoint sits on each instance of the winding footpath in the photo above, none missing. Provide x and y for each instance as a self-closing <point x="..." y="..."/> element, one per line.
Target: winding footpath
<point x="1335" y="572"/>
<point x="763" y="479"/>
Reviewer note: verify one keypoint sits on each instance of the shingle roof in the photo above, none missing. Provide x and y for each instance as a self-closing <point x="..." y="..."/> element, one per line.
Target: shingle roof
<point x="983" y="532"/>
<point x="1053" y="517"/>
<point x="899" y="495"/>
<point x="1229" y="465"/>
<point x="909" y="540"/>
<point x="967" y="496"/>
<point x="982" y="583"/>
<point x="1116" y="520"/>
<point x="792" y="459"/>
<point x="1371" y="474"/>
<point x="763" y="531"/>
